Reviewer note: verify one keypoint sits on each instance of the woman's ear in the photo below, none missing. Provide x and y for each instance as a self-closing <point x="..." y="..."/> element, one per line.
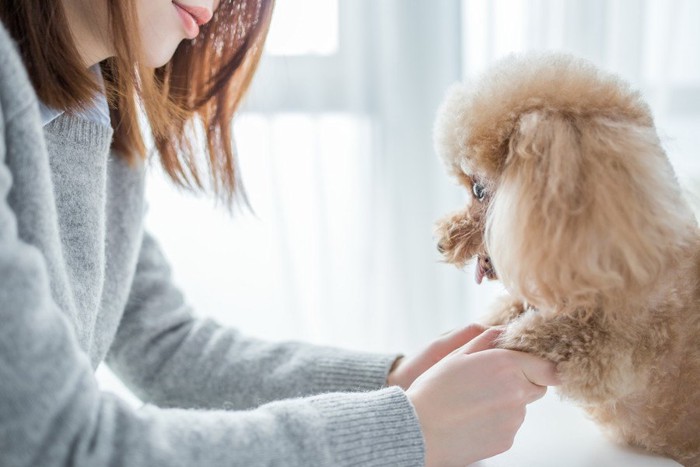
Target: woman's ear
<point x="584" y="206"/>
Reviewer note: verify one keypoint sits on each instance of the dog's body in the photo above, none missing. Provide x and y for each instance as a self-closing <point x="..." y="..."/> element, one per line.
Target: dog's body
<point x="577" y="210"/>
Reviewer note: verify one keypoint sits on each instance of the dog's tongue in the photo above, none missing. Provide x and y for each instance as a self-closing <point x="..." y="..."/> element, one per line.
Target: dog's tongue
<point x="478" y="273"/>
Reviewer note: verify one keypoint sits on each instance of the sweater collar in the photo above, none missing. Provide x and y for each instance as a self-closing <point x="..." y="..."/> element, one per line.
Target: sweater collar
<point x="98" y="112"/>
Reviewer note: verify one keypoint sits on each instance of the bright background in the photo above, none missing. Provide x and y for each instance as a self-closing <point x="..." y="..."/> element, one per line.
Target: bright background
<point x="336" y="156"/>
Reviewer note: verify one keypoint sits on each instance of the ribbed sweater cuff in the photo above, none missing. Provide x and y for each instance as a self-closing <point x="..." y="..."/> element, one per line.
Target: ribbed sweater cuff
<point x="375" y="428"/>
<point x="351" y="371"/>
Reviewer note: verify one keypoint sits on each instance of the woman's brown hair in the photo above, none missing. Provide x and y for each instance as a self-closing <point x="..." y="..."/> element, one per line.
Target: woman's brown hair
<point x="194" y="95"/>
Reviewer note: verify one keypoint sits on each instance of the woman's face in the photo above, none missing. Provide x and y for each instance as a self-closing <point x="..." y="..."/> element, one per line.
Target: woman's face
<point x="163" y="24"/>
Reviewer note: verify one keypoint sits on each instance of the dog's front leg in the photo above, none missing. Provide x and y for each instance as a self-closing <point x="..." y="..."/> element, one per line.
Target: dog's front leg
<point x="594" y="365"/>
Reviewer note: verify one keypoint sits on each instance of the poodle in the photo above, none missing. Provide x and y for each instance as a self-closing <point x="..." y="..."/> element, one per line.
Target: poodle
<point x="574" y="207"/>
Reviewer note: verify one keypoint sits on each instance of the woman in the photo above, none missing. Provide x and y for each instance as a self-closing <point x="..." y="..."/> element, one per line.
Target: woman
<point x="81" y="282"/>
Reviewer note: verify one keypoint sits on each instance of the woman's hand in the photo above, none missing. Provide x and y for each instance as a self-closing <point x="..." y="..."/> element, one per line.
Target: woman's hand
<point x="472" y="402"/>
<point x="407" y="369"/>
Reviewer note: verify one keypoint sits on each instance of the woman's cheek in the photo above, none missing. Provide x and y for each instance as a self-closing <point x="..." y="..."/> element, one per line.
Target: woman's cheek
<point x="160" y="30"/>
<point x="160" y="45"/>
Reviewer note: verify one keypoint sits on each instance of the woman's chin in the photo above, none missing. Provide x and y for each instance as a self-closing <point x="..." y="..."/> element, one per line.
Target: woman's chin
<point x="158" y="58"/>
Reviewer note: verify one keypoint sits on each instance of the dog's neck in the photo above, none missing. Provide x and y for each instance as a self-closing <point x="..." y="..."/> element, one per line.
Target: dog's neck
<point x="677" y="284"/>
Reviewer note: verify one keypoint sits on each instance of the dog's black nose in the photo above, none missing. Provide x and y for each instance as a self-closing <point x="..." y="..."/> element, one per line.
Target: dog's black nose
<point x="440" y="248"/>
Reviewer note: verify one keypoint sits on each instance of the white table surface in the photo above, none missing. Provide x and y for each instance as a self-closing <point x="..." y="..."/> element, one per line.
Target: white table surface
<point x="556" y="433"/>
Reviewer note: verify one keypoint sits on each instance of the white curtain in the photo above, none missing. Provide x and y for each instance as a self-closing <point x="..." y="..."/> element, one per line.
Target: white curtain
<point x="336" y="155"/>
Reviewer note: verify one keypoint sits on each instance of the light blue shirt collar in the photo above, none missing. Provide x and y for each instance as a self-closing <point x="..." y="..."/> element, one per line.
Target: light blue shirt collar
<point x="98" y="112"/>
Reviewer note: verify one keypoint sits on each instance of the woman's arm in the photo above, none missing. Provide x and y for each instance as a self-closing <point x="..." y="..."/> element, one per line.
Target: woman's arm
<point x="169" y="357"/>
<point x="53" y="414"/>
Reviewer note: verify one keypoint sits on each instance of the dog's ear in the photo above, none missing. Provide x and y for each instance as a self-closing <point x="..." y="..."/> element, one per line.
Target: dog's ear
<point x="584" y="206"/>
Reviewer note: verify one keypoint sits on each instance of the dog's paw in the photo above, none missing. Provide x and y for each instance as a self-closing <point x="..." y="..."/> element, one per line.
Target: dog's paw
<point x="593" y="365"/>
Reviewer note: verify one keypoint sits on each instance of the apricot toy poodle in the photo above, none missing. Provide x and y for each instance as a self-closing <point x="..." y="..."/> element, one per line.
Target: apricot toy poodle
<point x="575" y="208"/>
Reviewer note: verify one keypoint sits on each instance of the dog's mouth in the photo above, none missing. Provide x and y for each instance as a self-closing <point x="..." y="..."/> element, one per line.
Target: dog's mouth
<point x="484" y="268"/>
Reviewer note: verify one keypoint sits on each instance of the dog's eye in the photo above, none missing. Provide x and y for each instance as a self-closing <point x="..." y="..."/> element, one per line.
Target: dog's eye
<point x="478" y="191"/>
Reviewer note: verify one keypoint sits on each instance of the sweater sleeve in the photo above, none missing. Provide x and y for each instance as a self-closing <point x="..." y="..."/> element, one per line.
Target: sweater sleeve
<point x="170" y="358"/>
<point x="53" y="414"/>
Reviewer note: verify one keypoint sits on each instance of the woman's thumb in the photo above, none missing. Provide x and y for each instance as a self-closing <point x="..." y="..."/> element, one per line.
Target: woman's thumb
<point x="484" y="341"/>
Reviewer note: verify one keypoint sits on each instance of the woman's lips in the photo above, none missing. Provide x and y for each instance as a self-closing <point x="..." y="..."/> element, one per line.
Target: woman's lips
<point x="191" y="26"/>
<point x="192" y="17"/>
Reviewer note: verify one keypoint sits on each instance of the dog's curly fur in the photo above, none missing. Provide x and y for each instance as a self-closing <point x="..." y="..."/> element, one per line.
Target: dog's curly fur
<point x="581" y="217"/>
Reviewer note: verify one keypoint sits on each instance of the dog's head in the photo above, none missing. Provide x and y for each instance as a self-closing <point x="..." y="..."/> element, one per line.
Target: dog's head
<point x="571" y="194"/>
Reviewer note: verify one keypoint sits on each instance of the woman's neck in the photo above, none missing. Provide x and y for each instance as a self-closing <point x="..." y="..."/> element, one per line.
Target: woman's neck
<point x="88" y="26"/>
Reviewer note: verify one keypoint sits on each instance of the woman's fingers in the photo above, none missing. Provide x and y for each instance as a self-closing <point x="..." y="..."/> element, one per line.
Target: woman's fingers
<point x="456" y="338"/>
<point x="541" y="373"/>
<point x="470" y="405"/>
<point x="538" y="371"/>
<point x="537" y="392"/>
<point x="484" y="341"/>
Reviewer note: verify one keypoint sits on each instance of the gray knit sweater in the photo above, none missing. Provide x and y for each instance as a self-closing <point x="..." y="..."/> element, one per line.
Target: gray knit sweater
<point x="81" y="282"/>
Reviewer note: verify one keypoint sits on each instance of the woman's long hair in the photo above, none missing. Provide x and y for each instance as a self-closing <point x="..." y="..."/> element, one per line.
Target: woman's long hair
<point x="195" y="94"/>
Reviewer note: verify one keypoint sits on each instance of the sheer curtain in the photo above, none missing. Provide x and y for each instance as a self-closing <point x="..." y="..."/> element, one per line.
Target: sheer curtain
<point x="336" y="155"/>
